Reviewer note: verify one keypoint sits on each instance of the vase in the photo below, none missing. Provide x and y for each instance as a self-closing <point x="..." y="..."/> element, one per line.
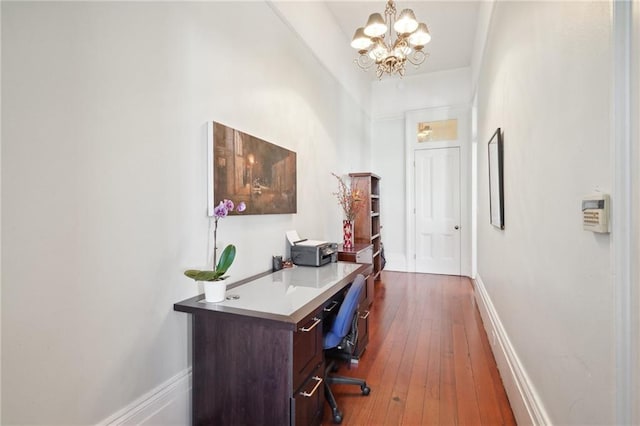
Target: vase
<point x="347" y="234"/>
<point x="214" y="291"/>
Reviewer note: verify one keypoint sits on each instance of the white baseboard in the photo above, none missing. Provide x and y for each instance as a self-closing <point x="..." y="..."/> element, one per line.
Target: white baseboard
<point x="395" y="262"/>
<point x="525" y="403"/>
<point x="395" y="267"/>
<point x="167" y="404"/>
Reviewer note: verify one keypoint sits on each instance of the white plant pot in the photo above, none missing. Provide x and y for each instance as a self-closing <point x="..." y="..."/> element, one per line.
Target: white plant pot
<point x="214" y="291"/>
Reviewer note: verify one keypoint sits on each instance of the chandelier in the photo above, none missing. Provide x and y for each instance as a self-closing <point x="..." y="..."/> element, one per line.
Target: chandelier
<point x="377" y="47"/>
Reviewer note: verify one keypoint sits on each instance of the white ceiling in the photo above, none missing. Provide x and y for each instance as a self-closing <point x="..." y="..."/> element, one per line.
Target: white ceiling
<point x="452" y="25"/>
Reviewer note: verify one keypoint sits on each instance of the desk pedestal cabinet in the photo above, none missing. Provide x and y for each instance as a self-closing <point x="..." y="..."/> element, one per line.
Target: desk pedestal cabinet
<point x="361" y="253"/>
<point x="251" y="368"/>
<point x="242" y="369"/>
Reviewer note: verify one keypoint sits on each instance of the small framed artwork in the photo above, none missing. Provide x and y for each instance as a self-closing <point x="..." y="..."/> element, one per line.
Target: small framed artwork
<point x="496" y="180"/>
<point x="245" y="168"/>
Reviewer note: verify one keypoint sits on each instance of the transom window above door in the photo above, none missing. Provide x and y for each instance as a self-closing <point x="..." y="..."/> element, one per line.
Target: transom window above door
<point x="435" y="131"/>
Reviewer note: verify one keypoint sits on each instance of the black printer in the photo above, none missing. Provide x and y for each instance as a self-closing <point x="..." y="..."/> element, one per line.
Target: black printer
<point x="313" y="253"/>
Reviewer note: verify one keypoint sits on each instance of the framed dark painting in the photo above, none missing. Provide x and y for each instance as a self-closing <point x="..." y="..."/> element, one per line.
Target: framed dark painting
<point x="496" y="180"/>
<point x="245" y="168"/>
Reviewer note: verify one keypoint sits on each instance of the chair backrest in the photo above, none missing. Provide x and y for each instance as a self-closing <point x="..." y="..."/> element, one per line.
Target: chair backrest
<point x="342" y="323"/>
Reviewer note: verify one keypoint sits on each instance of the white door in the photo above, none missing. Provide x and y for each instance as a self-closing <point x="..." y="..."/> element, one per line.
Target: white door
<point x="437" y="210"/>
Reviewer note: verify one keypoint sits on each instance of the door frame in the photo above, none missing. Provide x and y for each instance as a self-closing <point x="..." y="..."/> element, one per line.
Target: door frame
<point x="625" y="232"/>
<point x="634" y="257"/>
<point x="463" y="114"/>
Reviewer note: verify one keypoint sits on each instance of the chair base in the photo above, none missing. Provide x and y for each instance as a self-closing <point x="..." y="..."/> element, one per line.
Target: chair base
<point x="340" y="380"/>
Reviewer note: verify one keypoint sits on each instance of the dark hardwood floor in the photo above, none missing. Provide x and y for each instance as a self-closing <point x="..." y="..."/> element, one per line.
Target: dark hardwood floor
<point x="428" y="361"/>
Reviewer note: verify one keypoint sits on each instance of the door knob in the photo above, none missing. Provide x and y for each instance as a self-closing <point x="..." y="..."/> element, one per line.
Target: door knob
<point x="456" y="227"/>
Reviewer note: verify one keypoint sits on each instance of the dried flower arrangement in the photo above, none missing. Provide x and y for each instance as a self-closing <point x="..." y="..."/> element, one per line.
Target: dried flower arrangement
<point x="350" y="198"/>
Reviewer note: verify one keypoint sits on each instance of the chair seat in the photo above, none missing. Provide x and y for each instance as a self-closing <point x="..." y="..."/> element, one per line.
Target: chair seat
<point x="331" y="340"/>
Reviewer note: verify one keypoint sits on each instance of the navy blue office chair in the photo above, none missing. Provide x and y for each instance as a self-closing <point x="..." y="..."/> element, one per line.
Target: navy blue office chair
<point x="340" y="342"/>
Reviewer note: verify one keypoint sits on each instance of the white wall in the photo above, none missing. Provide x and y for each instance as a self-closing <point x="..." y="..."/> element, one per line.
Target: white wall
<point x="392" y="99"/>
<point x="634" y="51"/>
<point x="316" y="25"/>
<point x="0" y="217"/>
<point x="545" y="80"/>
<point x="485" y="11"/>
<point x="104" y="184"/>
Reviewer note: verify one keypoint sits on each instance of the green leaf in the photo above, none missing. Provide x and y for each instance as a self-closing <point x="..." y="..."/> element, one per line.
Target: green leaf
<point x="226" y="259"/>
<point x="192" y="273"/>
<point x="201" y="275"/>
<point x="204" y="275"/>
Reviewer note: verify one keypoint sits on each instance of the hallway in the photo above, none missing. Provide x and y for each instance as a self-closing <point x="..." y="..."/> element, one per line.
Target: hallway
<point x="428" y="360"/>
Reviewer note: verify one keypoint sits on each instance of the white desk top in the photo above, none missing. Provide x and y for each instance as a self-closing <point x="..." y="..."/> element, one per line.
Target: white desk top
<point x="286" y="295"/>
<point x="285" y="291"/>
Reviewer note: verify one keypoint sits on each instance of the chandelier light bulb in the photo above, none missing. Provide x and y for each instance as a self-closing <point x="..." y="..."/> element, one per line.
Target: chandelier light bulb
<point x="420" y="36"/>
<point x="399" y="53"/>
<point x="402" y="49"/>
<point x="406" y="22"/>
<point x="375" y="25"/>
<point x="379" y="50"/>
<point x="360" y="40"/>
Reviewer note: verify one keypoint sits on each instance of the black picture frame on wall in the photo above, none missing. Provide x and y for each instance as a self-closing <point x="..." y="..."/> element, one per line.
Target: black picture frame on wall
<point x="496" y="179"/>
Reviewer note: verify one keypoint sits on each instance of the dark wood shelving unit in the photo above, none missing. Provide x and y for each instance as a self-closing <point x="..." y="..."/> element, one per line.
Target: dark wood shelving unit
<point x="367" y="222"/>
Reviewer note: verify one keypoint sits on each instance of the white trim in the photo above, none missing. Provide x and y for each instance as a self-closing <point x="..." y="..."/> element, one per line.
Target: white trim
<point x="389" y="117"/>
<point x="635" y="208"/>
<point x="621" y="221"/>
<point x="525" y="402"/>
<point x="156" y="404"/>
<point x="1" y="399"/>
<point x="474" y="186"/>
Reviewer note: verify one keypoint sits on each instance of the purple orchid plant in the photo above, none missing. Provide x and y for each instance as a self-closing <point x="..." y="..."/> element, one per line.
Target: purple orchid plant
<point x="228" y="254"/>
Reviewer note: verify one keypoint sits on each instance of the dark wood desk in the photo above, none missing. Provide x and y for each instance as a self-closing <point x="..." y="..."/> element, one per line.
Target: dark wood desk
<point x="258" y="359"/>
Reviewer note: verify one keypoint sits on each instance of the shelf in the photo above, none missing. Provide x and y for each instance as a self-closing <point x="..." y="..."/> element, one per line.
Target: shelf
<point x="367" y="224"/>
<point x="364" y="175"/>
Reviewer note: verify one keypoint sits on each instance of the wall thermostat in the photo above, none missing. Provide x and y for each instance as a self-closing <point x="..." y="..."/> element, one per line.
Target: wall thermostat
<point x="595" y="213"/>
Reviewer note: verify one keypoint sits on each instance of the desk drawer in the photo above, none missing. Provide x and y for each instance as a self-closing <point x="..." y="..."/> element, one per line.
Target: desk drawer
<point x="363" y="332"/>
<point x="307" y="402"/>
<point x="307" y="348"/>
<point x="369" y="292"/>
<point x="330" y="310"/>
<point x="365" y="256"/>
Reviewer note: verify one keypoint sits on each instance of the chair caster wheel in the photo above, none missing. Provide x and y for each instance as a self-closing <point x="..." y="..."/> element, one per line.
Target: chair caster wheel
<point x="366" y="390"/>
<point x="337" y="417"/>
